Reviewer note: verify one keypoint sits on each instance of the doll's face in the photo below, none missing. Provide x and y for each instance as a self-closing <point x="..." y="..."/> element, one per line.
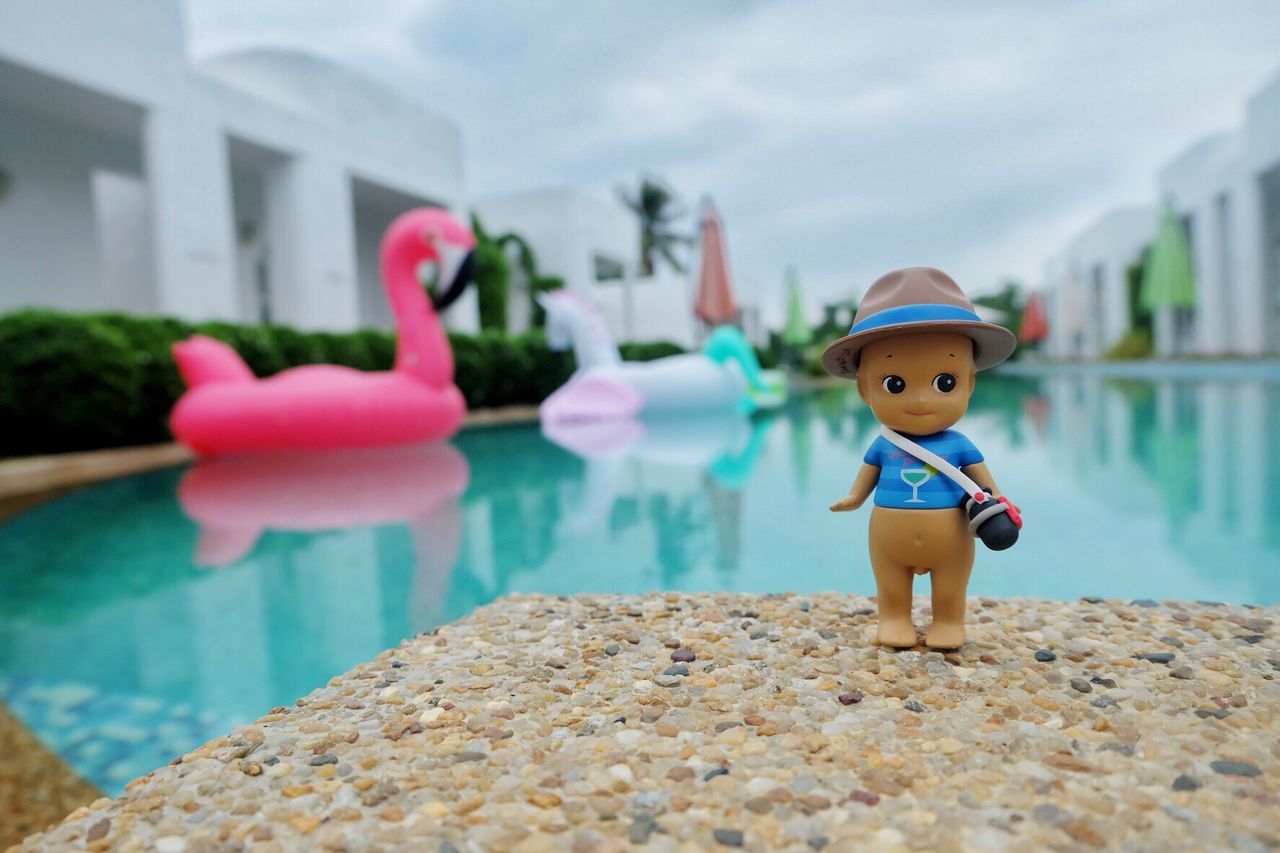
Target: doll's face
<point x="919" y="382"/>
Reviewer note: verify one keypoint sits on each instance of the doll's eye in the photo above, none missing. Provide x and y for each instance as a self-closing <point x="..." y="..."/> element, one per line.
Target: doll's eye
<point x="894" y="384"/>
<point x="944" y="382"/>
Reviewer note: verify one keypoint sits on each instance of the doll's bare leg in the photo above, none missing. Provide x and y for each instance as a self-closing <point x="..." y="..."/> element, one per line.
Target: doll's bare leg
<point x="893" y="599"/>
<point x="950" y="582"/>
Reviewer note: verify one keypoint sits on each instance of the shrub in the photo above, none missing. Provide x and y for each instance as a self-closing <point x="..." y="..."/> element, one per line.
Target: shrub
<point x="66" y="383"/>
<point x="1134" y="345"/>
<point x="150" y="341"/>
<point x="296" y="347"/>
<point x="78" y="382"/>
<point x="254" y="343"/>
<point x="648" y="351"/>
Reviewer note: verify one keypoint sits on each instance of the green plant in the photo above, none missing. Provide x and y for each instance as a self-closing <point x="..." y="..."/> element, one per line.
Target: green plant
<point x="492" y="277"/>
<point x="657" y="206"/>
<point x="1140" y="317"/>
<point x="78" y="382"/>
<point x="62" y="378"/>
<point x="648" y="351"/>
<point x="150" y="341"/>
<point x="1135" y="344"/>
<point x="254" y="343"/>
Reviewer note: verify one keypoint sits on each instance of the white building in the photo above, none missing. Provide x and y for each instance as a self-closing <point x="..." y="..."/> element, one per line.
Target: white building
<point x="592" y="242"/>
<point x="1226" y="188"/>
<point x="1087" y="283"/>
<point x="248" y="187"/>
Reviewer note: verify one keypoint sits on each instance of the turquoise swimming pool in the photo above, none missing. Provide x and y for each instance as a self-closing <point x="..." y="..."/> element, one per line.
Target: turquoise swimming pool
<point x="143" y="616"/>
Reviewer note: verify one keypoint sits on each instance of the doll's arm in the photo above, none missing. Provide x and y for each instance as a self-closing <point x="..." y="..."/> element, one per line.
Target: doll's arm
<point x="979" y="474"/>
<point x="863" y="485"/>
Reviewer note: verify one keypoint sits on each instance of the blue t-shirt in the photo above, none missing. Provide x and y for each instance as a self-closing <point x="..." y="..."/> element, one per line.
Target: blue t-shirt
<point x="907" y="483"/>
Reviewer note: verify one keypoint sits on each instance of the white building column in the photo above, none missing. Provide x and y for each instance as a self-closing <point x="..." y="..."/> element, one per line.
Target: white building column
<point x="190" y="182"/>
<point x="1248" y="275"/>
<point x="1164" y="331"/>
<point x="317" y="287"/>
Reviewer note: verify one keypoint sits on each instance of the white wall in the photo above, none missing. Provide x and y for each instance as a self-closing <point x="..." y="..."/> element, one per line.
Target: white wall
<point x="1238" y="292"/>
<point x="1079" y="328"/>
<point x="122" y="211"/>
<point x="64" y="59"/>
<point x="49" y="242"/>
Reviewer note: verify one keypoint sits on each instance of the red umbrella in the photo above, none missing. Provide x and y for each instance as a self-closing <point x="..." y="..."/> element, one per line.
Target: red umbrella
<point x="1035" y="321"/>
<point x="715" y="304"/>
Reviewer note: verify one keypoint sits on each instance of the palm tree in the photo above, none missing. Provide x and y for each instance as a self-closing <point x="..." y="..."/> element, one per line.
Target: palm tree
<point x="657" y="206"/>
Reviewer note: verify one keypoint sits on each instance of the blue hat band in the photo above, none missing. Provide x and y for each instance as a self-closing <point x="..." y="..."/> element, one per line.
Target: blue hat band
<point x="924" y="313"/>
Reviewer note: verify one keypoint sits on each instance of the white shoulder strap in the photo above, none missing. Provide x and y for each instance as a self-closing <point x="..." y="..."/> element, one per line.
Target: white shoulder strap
<point x="929" y="457"/>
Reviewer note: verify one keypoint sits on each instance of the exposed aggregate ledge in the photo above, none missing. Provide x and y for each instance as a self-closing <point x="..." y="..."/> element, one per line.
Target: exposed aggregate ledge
<point x="710" y="721"/>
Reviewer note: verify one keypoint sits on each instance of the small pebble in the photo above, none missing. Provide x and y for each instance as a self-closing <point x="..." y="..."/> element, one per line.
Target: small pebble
<point x="729" y="837"/>
<point x="1045" y="656"/>
<point x="1235" y="768"/>
<point x="1050" y="813"/>
<point x="526" y="756"/>
<point x="865" y="797"/>
<point x="683" y="656"/>
<point x="1156" y="657"/>
<point x="641" y="828"/>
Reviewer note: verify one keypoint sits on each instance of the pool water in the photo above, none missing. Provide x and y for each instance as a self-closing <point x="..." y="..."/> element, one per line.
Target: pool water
<point x="140" y="617"/>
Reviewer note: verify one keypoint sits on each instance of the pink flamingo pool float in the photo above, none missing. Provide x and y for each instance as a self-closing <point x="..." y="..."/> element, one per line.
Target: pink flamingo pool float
<point x="226" y="409"/>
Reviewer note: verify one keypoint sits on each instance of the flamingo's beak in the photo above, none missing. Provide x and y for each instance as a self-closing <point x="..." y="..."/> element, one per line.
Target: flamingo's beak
<point x="457" y="269"/>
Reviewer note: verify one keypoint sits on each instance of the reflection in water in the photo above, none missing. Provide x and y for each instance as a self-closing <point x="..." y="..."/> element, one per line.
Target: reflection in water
<point x="119" y="648"/>
<point x="235" y="499"/>
<point x="720" y="447"/>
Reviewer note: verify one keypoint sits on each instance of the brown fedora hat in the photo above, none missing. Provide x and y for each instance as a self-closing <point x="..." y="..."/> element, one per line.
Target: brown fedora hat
<point x="917" y="299"/>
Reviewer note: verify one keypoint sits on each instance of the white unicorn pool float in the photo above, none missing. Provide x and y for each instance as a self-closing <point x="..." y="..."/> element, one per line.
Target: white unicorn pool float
<point x="725" y="375"/>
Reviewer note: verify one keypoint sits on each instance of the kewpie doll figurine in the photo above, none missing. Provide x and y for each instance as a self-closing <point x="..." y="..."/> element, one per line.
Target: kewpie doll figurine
<point x="915" y="349"/>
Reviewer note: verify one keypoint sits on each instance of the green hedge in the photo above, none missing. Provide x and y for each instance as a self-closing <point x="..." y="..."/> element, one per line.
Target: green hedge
<point x="85" y="381"/>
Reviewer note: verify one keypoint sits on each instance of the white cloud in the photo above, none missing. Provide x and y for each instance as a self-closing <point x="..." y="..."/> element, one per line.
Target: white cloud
<point x="848" y="138"/>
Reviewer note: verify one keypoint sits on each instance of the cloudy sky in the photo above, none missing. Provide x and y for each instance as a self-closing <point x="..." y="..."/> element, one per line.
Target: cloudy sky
<point x="848" y="138"/>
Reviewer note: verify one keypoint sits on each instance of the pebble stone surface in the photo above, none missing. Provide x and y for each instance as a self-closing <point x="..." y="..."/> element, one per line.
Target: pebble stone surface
<point x="547" y="723"/>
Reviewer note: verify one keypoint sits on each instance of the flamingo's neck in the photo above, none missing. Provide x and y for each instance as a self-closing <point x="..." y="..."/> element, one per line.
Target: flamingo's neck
<point x="422" y="347"/>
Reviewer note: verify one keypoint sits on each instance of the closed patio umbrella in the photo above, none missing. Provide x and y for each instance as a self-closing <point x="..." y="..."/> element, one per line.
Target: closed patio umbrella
<point x="715" y="304"/>
<point x="1169" y="279"/>
<point x="796" y="333"/>
<point x="1035" y="321"/>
